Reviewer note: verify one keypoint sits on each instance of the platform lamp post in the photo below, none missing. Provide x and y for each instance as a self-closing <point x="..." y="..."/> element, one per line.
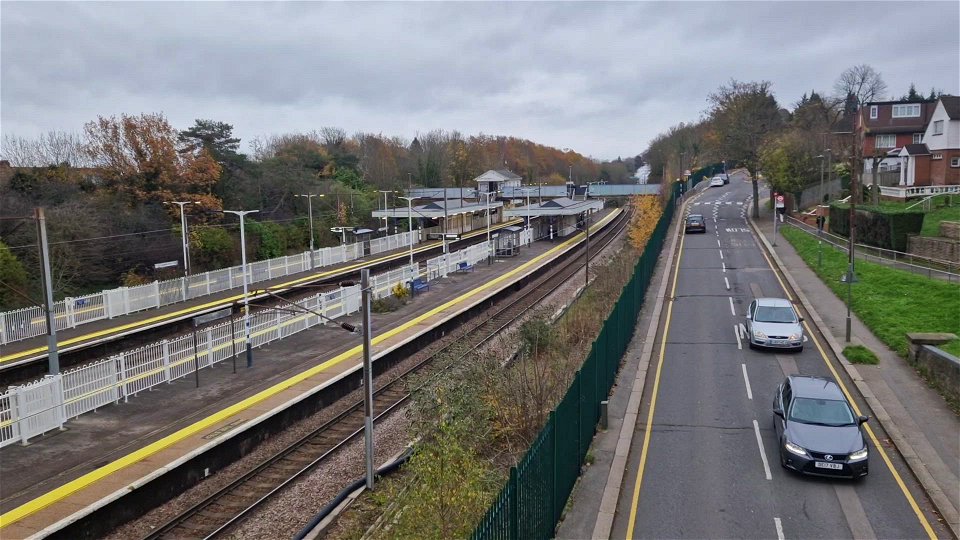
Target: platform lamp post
<point x="527" y="191"/>
<point x="246" y="299"/>
<point x="386" y="222"/>
<point x="409" y="224"/>
<point x="489" y="245"/>
<point x="309" y="197"/>
<point x="183" y="234"/>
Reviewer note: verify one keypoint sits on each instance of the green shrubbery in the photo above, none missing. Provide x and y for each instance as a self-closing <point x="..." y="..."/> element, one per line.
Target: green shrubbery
<point x="884" y="227"/>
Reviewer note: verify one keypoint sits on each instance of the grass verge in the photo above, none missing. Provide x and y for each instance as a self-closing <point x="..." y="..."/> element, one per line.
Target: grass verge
<point x="858" y="354"/>
<point x="890" y="302"/>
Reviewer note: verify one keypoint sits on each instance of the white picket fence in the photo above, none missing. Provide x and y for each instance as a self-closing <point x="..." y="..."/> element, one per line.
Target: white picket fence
<point x="29" y="322"/>
<point x="44" y="405"/>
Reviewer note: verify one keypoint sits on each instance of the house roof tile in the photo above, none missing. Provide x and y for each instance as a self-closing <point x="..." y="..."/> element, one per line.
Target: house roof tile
<point x="952" y="105"/>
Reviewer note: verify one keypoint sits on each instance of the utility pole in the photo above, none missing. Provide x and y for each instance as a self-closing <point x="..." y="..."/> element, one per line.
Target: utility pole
<point x="53" y="356"/>
<point x="367" y="376"/>
<point x="246" y="298"/>
<point x="309" y="198"/>
<point x="386" y="223"/>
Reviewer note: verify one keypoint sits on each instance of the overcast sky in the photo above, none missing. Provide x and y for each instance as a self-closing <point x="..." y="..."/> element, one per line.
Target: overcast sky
<point x="600" y="78"/>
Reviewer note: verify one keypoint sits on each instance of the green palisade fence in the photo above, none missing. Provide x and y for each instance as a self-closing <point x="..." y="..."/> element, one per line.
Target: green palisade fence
<point x="529" y="506"/>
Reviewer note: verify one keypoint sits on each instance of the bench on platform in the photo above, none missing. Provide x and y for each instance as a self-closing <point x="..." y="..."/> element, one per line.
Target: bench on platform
<point x="464" y="267"/>
<point x="419" y="285"/>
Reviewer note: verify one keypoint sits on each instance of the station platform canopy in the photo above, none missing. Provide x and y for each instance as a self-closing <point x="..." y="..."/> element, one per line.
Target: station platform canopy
<point x="435" y="209"/>
<point x="561" y="206"/>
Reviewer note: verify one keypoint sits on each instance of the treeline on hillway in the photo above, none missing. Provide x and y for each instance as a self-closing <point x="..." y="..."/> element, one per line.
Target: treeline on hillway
<point x="106" y="193"/>
<point x="745" y="126"/>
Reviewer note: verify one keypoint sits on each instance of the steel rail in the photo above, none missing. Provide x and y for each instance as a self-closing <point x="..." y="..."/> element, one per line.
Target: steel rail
<point x="467" y="338"/>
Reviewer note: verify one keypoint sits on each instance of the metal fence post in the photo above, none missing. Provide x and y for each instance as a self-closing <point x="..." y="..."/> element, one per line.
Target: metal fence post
<point x="165" y="347"/>
<point x="210" y="347"/>
<point x="122" y="376"/>
<point x="514" y="505"/>
<point x="3" y="328"/>
<point x="156" y="293"/>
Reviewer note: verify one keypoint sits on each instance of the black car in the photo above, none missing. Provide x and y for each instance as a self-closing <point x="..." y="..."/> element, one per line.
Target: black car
<point x="817" y="430"/>
<point x="695" y="222"/>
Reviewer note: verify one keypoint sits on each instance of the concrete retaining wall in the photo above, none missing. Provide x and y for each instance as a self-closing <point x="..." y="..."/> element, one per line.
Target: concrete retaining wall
<point x="940" y="368"/>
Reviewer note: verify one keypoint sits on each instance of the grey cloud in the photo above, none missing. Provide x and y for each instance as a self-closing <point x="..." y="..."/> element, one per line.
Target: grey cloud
<point x="602" y="78"/>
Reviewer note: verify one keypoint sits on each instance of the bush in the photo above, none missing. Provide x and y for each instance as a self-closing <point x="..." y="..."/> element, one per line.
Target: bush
<point x="210" y="248"/>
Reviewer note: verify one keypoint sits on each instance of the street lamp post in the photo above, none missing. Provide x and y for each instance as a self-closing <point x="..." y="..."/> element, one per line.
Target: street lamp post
<point x="246" y="299"/>
<point x="183" y="234"/>
<point x="820" y="218"/>
<point x="309" y="198"/>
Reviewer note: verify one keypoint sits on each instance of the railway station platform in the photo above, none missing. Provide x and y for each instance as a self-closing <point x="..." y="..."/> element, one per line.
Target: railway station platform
<point x="100" y="457"/>
<point x="127" y="326"/>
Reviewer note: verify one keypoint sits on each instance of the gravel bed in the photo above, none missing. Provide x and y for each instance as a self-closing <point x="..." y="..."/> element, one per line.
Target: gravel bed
<point x="293" y="508"/>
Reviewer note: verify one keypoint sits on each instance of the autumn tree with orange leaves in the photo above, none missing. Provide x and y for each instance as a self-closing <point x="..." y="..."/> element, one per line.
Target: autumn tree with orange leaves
<point x="138" y="156"/>
<point x="647" y="211"/>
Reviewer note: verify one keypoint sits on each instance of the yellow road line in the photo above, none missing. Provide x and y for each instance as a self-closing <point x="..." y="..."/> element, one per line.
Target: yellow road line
<point x="631" y="523"/>
<point x="78" y="484"/>
<point x="230" y="299"/>
<point x="876" y="443"/>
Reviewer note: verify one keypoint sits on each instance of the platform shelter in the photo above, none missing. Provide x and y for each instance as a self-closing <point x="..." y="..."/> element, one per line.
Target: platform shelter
<point x="459" y="215"/>
<point x="555" y="217"/>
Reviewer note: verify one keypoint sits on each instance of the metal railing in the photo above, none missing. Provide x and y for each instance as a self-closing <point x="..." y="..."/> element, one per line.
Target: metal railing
<point x="532" y="501"/>
<point x="46" y="404"/>
<point x="917" y="264"/>
<point x="917" y="191"/>
<point x="70" y="312"/>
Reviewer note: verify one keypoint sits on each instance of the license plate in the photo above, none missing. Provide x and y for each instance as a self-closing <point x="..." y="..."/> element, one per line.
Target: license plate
<point x="822" y="465"/>
<point x="778" y="342"/>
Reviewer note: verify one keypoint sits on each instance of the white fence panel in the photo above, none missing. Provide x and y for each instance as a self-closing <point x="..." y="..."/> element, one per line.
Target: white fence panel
<point x="23" y="324"/>
<point x="180" y="350"/>
<point x="90" y="387"/>
<point x="9" y="427"/>
<point x="39" y="406"/>
<point x="143" y="297"/>
<point x="89" y="308"/>
<point x="171" y="291"/>
<point x="142" y="369"/>
<point x="382" y="284"/>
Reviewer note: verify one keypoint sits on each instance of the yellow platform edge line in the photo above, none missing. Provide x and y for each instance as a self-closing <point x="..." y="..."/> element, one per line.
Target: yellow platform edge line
<point x="60" y="493"/>
<point x="160" y="318"/>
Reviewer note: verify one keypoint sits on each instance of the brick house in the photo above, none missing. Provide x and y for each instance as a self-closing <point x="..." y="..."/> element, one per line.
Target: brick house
<point x="942" y="139"/>
<point x="888" y="127"/>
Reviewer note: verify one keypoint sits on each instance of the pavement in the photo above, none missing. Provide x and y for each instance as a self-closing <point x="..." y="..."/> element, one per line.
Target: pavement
<point x="916" y="420"/>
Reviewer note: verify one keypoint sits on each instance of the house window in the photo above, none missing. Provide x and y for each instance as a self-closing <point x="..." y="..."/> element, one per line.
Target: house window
<point x="938" y="127"/>
<point x="873" y="112"/>
<point x="886" y="141"/>
<point x="917" y="138"/>
<point x="910" y="110"/>
<point x="955" y="162"/>
<point x="936" y="155"/>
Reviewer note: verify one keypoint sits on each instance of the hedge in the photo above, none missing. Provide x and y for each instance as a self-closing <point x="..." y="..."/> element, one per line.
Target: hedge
<point x="876" y="226"/>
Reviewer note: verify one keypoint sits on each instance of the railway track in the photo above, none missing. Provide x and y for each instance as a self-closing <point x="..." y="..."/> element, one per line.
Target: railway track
<point x="221" y="511"/>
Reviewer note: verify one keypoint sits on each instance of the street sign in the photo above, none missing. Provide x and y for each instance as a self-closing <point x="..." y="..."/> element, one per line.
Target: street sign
<point x="167" y="264"/>
<point x="779" y="201"/>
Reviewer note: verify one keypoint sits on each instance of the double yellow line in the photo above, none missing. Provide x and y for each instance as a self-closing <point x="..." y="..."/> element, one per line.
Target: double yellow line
<point x="634" y="503"/>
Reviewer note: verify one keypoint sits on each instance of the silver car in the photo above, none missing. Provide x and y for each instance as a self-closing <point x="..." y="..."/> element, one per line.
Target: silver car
<point x="774" y="323"/>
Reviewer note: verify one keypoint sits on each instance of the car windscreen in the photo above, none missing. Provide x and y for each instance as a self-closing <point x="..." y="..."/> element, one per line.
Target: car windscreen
<point x="821" y="411"/>
<point x="775" y="314"/>
<point x="694" y="219"/>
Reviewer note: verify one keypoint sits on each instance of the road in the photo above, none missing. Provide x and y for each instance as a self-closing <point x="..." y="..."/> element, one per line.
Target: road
<point x="708" y="463"/>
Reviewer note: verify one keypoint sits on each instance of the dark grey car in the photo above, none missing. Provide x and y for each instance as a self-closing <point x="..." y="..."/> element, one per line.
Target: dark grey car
<point x="817" y="430"/>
